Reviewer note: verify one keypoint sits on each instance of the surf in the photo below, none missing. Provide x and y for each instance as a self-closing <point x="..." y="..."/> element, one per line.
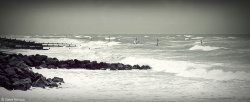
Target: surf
<point x="188" y="69"/>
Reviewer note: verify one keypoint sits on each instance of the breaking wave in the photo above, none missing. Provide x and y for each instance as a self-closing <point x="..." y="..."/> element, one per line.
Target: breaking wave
<point x="205" y="48"/>
<point x="188" y="69"/>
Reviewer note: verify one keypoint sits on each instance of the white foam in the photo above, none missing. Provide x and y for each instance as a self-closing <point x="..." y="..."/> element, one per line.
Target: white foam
<point x="87" y="37"/>
<point x="78" y="36"/>
<point x="187" y="69"/>
<point x="205" y="48"/>
<point x="188" y="36"/>
<point x="197" y="37"/>
<point x="146" y="36"/>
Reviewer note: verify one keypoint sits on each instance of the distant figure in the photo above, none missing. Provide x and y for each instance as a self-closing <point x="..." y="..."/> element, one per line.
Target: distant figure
<point x="157" y="42"/>
<point x="201" y="42"/>
<point x="109" y="38"/>
<point x="136" y="41"/>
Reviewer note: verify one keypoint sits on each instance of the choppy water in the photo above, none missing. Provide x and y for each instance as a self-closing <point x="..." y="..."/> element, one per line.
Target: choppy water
<point x="217" y="70"/>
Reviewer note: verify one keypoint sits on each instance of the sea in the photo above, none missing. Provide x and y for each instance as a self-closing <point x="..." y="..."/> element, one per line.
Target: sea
<point x="185" y="68"/>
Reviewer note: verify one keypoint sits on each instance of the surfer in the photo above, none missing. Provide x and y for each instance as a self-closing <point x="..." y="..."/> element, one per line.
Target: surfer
<point x="201" y="42"/>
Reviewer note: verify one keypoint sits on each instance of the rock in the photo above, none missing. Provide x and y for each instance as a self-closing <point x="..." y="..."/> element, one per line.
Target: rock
<point x="40" y="82"/>
<point x="57" y="79"/>
<point x="22" y="84"/>
<point x="52" y="61"/>
<point x="81" y="65"/>
<point x="63" y="65"/>
<point x="15" y="63"/>
<point x="86" y="61"/>
<point x="13" y="58"/>
<point x="145" y="67"/>
<point x="38" y="67"/>
<point x="136" y="67"/>
<point x="94" y="65"/>
<point x="10" y="71"/>
<point x="71" y="63"/>
<point x="53" y="84"/>
<point x="5" y="82"/>
<point x="49" y="80"/>
<point x="128" y="67"/>
<point x="113" y="66"/>
<point x="43" y="66"/>
<point x="103" y="65"/>
<point x="120" y="66"/>
<point x="40" y="57"/>
<point x="51" y="66"/>
<point x="27" y="61"/>
<point x="3" y="79"/>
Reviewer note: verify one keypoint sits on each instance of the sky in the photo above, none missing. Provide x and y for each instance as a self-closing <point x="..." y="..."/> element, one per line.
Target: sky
<point x="124" y="17"/>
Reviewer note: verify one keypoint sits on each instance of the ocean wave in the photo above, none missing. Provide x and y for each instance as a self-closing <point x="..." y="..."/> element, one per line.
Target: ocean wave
<point x="87" y="37"/>
<point x="188" y="69"/>
<point x="188" y="36"/>
<point x="111" y="38"/>
<point x="78" y="36"/>
<point x="197" y="38"/>
<point x="205" y="48"/>
<point x="99" y="43"/>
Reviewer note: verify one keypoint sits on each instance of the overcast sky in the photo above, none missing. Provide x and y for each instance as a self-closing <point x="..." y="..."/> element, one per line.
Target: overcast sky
<point x="125" y="17"/>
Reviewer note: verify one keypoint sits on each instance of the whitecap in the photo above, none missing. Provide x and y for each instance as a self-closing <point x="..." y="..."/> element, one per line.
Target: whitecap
<point x="188" y="69"/>
<point x="197" y="37"/>
<point x="205" y="48"/>
<point x="111" y="38"/>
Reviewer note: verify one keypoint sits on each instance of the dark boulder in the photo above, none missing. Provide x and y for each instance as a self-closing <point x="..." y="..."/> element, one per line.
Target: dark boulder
<point x="51" y="67"/>
<point x="43" y="65"/>
<point x="71" y="63"/>
<point x="38" y="67"/>
<point x="41" y="82"/>
<point x="40" y="57"/>
<point x="120" y="66"/>
<point x="103" y="65"/>
<point x="113" y="66"/>
<point x="27" y="61"/>
<point x="3" y="79"/>
<point x="63" y="65"/>
<point x="52" y="61"/>
<point x="22" y="84"/>
<point x="85" y="61"/>
<point x="10" y="71"/>
<point x="5" y="82"/>
<point x="136" y="67"/>
<point x="128" y="67"/>
<point x="57" y="79"/>
<point x="53" y="84"/>
<point x="145" y="67"/>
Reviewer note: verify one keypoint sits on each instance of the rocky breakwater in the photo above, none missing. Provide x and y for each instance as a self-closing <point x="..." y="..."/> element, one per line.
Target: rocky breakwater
<point x="42" y="61"/>
<point x="15" y="74"/>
